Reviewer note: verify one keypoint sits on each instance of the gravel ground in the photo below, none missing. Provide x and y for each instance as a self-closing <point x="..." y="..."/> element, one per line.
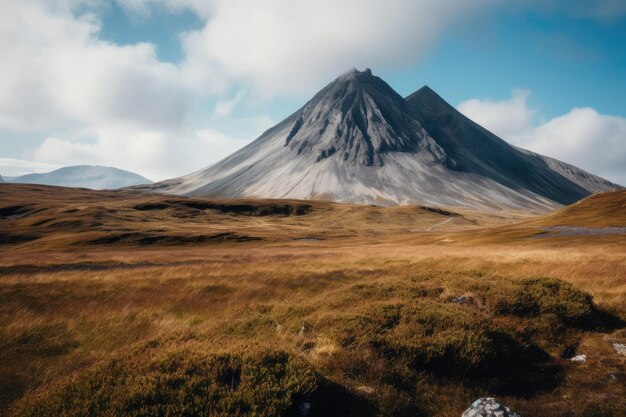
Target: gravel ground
<point x="564" y="231"/>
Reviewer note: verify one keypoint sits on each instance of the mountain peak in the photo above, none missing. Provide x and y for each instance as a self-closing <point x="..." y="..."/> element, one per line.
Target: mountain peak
<point x="358" y="141"/>
<point x="355" y="74"/>
<point x="426" y="96"/>
<point x="426" y="91"/>
<point x="362" y="80"/>
<point x="355" y="119"/>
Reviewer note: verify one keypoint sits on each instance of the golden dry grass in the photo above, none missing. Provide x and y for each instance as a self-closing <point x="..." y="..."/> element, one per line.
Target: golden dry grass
<point x="344" y="290"/>
<point x="598" y="210"/>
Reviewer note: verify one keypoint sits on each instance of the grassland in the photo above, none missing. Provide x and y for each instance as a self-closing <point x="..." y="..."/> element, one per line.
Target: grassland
<point x="118" y="303"/>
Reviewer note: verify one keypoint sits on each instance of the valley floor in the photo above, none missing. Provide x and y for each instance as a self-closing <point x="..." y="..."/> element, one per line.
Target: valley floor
<point x="118" y="303"/>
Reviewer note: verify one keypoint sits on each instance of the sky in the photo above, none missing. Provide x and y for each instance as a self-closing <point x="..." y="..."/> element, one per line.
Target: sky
<point x="167" y="87"/>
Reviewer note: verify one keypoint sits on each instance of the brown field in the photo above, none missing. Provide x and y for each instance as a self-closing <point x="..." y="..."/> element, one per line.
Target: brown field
<point x="120" y="303"/>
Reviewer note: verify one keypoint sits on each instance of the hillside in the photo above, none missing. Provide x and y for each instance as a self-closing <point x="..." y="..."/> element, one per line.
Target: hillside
<point x="85" y="176"/>
<point x="58" y="217"/>
<point x="599" y="211"/>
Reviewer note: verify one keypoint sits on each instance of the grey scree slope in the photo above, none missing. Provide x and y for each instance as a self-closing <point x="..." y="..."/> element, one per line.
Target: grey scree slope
<point x="358" y="141"/>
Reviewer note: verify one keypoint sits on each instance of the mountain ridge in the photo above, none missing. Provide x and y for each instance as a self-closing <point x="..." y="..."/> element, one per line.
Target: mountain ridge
<point x="94" y="177"/>
<point x="359" y="141"/>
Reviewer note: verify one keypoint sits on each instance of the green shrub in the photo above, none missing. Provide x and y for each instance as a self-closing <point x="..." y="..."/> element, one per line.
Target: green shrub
<point x="444" y="340"/>
<point x="539" y="296"/>
<point x="183" y="384"/>
<point x="427" y="335"/>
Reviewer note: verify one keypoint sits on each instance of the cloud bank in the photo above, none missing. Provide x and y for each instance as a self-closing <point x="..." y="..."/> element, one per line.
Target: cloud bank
<point x="291" y="47"/>
<point x="504" y="118"/>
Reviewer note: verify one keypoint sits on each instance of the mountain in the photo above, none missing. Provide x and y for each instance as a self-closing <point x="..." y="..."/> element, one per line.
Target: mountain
<point x="1" y="179"/>
<point x="359" y="141"/>
<point x="85" y="176"/>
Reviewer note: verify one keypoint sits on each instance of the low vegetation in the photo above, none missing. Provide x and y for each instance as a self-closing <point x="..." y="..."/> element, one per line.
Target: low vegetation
<point x="155" y="381"/>
<point x="202" y="340"/>
<point x="352" y="326"/>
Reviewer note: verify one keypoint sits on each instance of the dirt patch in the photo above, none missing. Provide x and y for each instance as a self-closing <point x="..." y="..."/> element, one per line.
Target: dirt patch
<point x="10" y="239"/>
<point x="18" y="211"/>
<point x="151" y="206"/>
<point x="244" y="209"/>
<point x="152" y="239"/>
<point x="440" y="211"/>
<point x="87" y="266"/>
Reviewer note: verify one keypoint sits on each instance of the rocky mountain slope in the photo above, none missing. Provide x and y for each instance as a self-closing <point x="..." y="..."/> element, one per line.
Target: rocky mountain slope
<point x="358" y="141"/>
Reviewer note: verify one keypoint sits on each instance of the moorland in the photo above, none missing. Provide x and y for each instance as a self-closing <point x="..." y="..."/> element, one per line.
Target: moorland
<point x="125" y="303"/>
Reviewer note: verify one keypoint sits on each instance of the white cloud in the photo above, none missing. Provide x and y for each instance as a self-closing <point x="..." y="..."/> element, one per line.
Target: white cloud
<point x="225" y="108"/>
<point x="156" y="154"/>
<point x="582" y="137"/>
<point x="139" y="151"/>
<point x="504" y="118"/>
<point x="55" y="72"/>
<point x="221" y="145"/>
<point x="96" y="102"/>
<point x="291" y="47"/>
<point x="13" y="167"/>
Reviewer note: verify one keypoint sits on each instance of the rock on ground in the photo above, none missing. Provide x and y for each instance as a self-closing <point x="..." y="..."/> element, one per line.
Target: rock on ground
<point x="488" y="407"/>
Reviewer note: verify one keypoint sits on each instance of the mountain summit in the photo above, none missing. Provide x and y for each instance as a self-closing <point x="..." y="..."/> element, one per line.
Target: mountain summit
<point x="359" y="118"/>
<point x="359" y="141"/>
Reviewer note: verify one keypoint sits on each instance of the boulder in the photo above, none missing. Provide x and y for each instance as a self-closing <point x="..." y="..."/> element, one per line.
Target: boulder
<point x="488" y="407"/>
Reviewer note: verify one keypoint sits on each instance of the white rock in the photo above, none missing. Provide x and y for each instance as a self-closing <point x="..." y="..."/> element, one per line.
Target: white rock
<point x="488" y="407"/>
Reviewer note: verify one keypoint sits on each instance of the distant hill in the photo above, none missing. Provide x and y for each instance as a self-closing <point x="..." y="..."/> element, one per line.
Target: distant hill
<point x="1" y="179"/>
<point x="84" y="176"/>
